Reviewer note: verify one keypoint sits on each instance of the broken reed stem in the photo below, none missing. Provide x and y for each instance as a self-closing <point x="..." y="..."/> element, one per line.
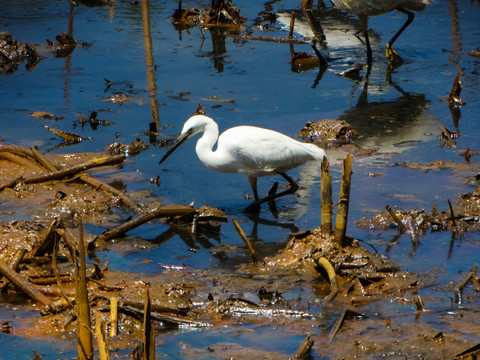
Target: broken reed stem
<point x="332" y="277"/>
<point x="452" y="214"/>
<point x="326" y="198"/>
<point x="97" y="184"/>
<point x="344" y="198"/>
<point x="337" y="327"/>
<point x="23" y="284"/>
<point x="17" y="259"/>
<point x="101" y="338"/>
<point x="86" y="178"/>
<point x="42" y="160"/>
<point x="21" y="161"/>
<point x="15" y="149"/>
<point x="11" y="183"/>
<point x="245" y="240"/>
<point x="162" y="211"/>
<point x="57" y="274"/>
<point x="57" y="175"/>
<point x="305" y="347"/>
<point x="85" y="341"/>
<point x="148" y="329"/>
<point x="419" y="303"/>
<point x="46" y="245"/>
<point x="459" y="288"/>
<point x="395" y="218"/>
<point x="113" y="316"/>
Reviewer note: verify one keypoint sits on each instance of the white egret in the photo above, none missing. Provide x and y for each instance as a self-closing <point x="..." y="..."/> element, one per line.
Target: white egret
<point x="365" y="8"/>
<point x="247" y="150"/>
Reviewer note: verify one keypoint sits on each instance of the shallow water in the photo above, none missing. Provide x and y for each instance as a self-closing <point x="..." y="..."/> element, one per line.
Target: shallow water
<point x="258" y="77"/>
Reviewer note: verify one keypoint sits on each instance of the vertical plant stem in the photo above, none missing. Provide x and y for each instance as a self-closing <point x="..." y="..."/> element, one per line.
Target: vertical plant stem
<point x="101" y="338"/>
<point x="148" y="329"/>
<point x="113" y="316"/>
<point x="85" y="341"/>
<point x="344" y="198"/>
<point x="326" y="196"/>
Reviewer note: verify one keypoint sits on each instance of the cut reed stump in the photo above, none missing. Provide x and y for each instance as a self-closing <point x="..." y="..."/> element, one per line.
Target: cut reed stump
<point x="343" y="202"/>
<point x="326" y="196"/>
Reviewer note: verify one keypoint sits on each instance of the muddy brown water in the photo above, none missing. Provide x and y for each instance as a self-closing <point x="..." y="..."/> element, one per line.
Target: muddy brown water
<point x="397" y="113"/>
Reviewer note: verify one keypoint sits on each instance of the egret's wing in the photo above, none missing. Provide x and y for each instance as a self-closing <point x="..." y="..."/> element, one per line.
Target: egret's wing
<point x="265" y="150"/>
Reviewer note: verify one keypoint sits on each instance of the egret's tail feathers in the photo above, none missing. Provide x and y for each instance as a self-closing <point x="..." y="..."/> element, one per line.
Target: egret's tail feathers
<point x="315" y="151"/>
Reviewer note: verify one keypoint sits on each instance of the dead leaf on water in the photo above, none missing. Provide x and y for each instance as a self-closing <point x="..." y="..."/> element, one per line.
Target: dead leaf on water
<point x="66" y="136"/>
<point x="45" y="115"/>
<point x="118" y="99"/>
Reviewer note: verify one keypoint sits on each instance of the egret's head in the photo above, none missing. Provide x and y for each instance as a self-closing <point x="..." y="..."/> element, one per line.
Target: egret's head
<point x="195" y="125"/>
<point x="192" y="126"/>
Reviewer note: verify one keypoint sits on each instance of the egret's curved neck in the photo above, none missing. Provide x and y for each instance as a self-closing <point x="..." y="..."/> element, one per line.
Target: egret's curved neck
<point x="205" y="144"/>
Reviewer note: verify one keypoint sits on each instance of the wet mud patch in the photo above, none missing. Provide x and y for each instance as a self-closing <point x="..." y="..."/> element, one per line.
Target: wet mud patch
<point x="40" y="259"/>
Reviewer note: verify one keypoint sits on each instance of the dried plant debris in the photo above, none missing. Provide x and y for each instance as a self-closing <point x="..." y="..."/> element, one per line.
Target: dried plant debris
<point x="454" y="96"/>
<point x="461" y="218"/>
<point x="220" y="14"/>
<point x="328" y="132"/>
<point x="66" y="136"/>
<point x="360" y="276"/>
<point x="122" y="99"/>
<point x="474" y="53"/>
<point x="13" y="53"/>
<point x="133" y="149"/>
<point x="64" y="46"/>
<point x="92" y="121"/>
<point x="45" y="115"/>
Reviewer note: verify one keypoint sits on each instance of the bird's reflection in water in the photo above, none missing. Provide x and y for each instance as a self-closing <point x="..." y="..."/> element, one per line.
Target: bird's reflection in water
<point x="389" y="126"/>
<point x="334" y="30"/>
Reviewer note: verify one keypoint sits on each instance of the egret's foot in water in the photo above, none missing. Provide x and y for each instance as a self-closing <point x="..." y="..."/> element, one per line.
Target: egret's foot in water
<point x="392" y="56"/>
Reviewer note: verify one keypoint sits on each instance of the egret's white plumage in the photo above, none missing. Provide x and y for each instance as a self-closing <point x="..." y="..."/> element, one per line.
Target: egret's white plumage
<point x="247" y="150"/>
<point x="365" y="8"/>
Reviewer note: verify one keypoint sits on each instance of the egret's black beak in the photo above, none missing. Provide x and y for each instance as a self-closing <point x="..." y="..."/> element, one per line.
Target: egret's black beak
<point x="181" y="139"/>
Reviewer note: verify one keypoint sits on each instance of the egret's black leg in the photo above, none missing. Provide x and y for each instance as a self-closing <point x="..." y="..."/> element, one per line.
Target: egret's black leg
<point x="369" y="48"/>
<point x="253" y="184"/>
<point x="363" y="20"/>
<point x="392" y="56"/>
<point x="293" y="187"/>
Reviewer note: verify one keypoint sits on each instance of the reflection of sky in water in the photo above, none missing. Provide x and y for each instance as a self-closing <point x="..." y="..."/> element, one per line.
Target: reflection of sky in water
<point x="257" y="76"/>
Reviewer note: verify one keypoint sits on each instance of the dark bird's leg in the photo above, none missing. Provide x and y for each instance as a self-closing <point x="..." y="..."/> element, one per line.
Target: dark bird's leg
<point x="369" y="48"/>
<point x="253" y="184"/>
<point x="363" y="20"/>
<point x="392" y="56"/>
<point x="293" y="187"/>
